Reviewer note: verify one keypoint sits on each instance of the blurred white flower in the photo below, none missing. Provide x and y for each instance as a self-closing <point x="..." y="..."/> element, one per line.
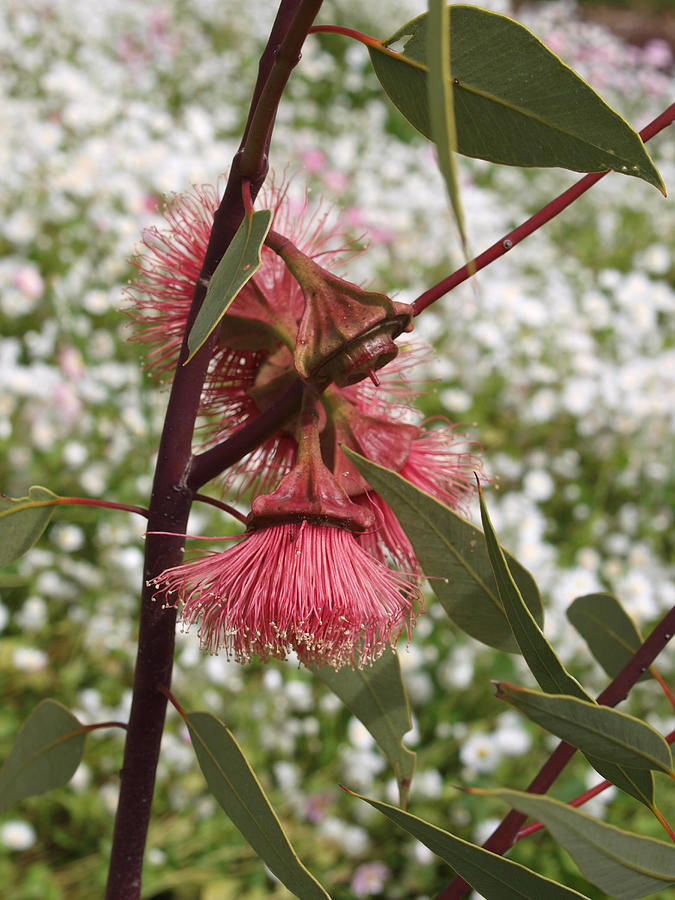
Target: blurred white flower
<point x="4" y="616"/>
<point x="287" y="775"/>
<point x="81" y="779"/>
<point x="359" y="767"/>
<point x="479" y="753"/>
<point x="29" y="659"/>
<point x="67" y="537"/>
<point x="32" y="615"/>
<point x="455" y="400"/>
<point x="156" y="856"/>
<point x="511" y="736"/>
<point x="539" y="485"/>
<point x="17" y="835"/>
<point x="352" y="838"/>
<point x="359" y="735"/>
<point x="456" y="670"/>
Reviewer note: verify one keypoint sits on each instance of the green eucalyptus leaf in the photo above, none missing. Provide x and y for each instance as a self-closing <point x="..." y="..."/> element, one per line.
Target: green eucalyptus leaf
<point x="22" y="521"/>
<point x="452" y="554"/>
<point x="637" y="783"/>
<point x="45" y="754"/>
<point x="598" y="730"/>
<point x="441" y="104"/>
<point x="515" y="101"/>
<point x="236" y="788"/>
<point x="491" y="875"/>
<point x="622" y="864"/>
<point x="609" y="631"/>
<point x="549" y="671"/>
<point x="377" y="697"/>
<point x="240" y="262"/>
<point x="537" y="652"/>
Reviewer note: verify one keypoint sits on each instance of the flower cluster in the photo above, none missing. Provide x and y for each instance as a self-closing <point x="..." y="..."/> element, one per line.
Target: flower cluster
<point x="312" y="572"/>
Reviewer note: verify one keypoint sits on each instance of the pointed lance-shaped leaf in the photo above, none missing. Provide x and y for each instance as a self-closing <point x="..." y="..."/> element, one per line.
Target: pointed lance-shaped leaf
<point x="240" y="262"/>
<point x="22" y="521"/>
<point x="537" y="652"/>
<point x="515" y="101"/>
<point x="452" y="554"/>
<point x="549" y="671"/>
<point x="491" y="875"/>
<point x="597" y="730"/>
<point x="377" y="696"/>
<point x="441" y="105"/>
<point x="622" y="864"/>
<point x="609" y="631"/>
<point x="236" y="788"/>
<point x="45" y="754"/>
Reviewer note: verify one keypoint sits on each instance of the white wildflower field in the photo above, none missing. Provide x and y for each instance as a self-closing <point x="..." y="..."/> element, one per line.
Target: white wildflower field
<point x="558" y="360"/>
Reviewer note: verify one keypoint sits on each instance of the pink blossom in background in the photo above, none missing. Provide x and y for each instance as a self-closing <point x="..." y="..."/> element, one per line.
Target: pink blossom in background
<point x="29" y="281"/>
<point x="658" y="53"/>
<point x="369" y="879"/>
<point x="314" y="160"/>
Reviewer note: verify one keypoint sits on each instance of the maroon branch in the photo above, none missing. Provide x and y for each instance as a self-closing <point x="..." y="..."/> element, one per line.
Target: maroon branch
<point x="548" y="212"/>
<point x="171" y="498"/>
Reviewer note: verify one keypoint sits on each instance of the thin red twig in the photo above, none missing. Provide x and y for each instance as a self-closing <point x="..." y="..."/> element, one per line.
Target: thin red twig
<point x="578" y="801"/>
<point x="548" y="212"/>
<point x="219" y="504"/>
<point x="105" y="504"/>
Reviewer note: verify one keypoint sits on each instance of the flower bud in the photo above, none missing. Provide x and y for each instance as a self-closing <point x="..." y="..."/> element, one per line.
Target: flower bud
<point x="345" y="332"/>
<point x="310" y="491"/>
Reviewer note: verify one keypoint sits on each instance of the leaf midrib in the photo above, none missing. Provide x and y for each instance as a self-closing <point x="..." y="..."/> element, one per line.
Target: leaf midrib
<point x="512" y="107"/>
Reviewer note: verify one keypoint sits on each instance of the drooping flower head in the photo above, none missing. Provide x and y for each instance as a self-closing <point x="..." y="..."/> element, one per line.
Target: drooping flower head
<point x="296" y="318"/>
<point x="298" y="580"/>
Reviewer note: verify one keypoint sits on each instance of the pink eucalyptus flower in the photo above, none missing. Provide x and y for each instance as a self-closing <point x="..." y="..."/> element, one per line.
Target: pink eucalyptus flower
<point x="293" y="586"/>
<point x="253" y="364"/>
<point x="245" y="371"/>
<point x="443" y="465"/>
<point x="299" y="579"/>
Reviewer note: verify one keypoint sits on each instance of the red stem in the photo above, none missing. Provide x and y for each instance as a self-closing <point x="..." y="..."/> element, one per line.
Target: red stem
<point x="504" y="244"/>
<point x="105" y="725"/>
<point x="347" y="32"/>
<point x="664" y="687"/>
<point x="105" y="504"/>
<point x="203" y="498"/>
<point x="172" y="700"/>
<point x="662" y="821"/>
<point x="578" y="801"/>
<point x="246" y="197"/>
<point x="503" y="837"/>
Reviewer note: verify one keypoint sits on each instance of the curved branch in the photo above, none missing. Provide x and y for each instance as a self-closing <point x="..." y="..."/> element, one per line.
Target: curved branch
<point x="548" y="212"/>
<point x="210" y="463"/>
<point x="230" y="510"/>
